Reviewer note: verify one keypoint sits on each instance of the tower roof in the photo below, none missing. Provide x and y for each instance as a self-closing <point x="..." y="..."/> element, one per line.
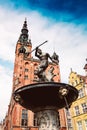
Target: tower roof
<point x="24" y="27"/>
<point x="24" y="34"/>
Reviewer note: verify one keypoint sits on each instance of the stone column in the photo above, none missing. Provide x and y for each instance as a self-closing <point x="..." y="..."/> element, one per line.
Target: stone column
<point x="47" y="120"/>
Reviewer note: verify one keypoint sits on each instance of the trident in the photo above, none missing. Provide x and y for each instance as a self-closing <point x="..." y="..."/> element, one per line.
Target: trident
<point x="38" y="46"/>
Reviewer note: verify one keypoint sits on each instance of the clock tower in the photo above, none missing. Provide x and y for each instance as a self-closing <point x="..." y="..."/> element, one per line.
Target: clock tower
<point x="23" y="60"/>
<point x="23" y="74"/>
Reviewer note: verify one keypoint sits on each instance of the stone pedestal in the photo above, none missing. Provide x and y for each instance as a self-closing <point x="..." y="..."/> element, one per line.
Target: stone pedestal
<point x="47" y="120"/>
<point x="44" y="99"/>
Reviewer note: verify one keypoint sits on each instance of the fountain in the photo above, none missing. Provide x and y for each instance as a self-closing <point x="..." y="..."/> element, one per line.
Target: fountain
<point x="45" y="97"/>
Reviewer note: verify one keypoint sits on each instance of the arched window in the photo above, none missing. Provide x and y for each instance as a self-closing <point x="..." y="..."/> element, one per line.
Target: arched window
<point x="24" y="117"/>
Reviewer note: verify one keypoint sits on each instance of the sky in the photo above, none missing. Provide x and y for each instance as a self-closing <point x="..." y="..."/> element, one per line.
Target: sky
<point x="62" y="22"/>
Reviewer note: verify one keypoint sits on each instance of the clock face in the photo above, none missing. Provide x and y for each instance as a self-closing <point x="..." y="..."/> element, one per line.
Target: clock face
<point x="27" y="49"/>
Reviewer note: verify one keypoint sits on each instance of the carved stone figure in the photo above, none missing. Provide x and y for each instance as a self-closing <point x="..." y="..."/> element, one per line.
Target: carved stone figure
<point x="55" y="58"/>
<point x="47" y="120"/>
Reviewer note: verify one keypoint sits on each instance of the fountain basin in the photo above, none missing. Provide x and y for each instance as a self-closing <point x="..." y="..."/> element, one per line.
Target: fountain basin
<point x="45" y="95"/>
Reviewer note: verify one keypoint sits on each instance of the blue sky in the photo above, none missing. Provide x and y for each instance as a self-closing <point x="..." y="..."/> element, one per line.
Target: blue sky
<point x="62" y="22"/>
<point x="63" y="10"/>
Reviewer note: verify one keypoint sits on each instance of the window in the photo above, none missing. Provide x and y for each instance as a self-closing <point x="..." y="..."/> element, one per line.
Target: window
<point x="26" y="70"/>
<point x="69" y="122"/>
<point x="86" y="123"/>
<point x="67" y="112"/>
<point x="81" y="93"/>
<point x="76" y="82"/>
<point x="20" y="75"/>
<point x="81" y="80"/>
<point x="58" y="119"/>
<point x="24" y="119"/>
<point x="84" y="107"/>
<point x="26" y="77"/>
<point x="79" y="123"/>
<point x="35" y="77"/>
<point x="35" y="120"/>
<point x="77" y="110"/>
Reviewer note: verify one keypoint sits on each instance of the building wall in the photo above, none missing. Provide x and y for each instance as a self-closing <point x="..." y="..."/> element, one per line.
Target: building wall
<point x="1" y="127"/>
<point x="79" y="116"/>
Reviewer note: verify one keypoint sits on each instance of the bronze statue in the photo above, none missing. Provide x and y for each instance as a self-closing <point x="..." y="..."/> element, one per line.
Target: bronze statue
<point x="40" y="72"/>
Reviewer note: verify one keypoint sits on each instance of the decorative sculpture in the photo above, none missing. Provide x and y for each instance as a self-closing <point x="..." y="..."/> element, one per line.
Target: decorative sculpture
<point x="40" y="72"/>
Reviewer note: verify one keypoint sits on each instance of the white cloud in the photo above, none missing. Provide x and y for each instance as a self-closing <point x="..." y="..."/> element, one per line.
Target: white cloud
<point x="5" y="90"/>
<point x="67" y="39"/>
